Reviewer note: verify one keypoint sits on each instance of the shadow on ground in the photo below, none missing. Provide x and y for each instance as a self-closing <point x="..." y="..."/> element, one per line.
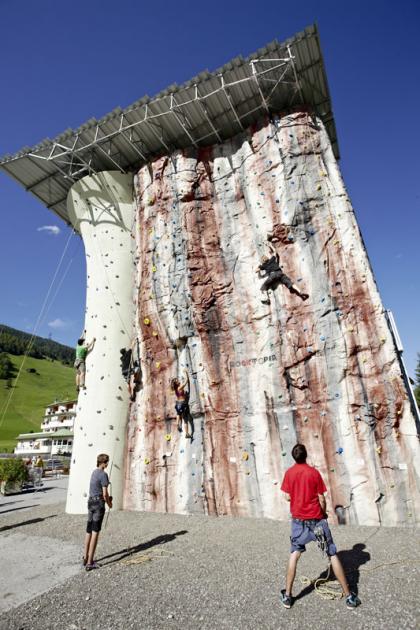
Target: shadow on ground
<point x="31" y="521"/>
<point x="18" y="508"/>
<point x="352" y="560"/>
<point x="129" y="551"/>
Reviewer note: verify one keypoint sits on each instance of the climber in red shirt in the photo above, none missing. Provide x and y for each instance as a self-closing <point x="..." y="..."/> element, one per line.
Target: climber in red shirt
<point x="304" y="487"/>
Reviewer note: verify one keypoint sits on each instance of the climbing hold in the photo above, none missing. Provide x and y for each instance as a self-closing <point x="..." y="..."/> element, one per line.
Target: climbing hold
<point x="168" y="437"/>
<point x="378" y="449"/>
<point x="245" y="456"/>
<point x="339" y="450"/>
<point x="332" y="469"/>
<point x="146" y="320"/>
<point x="154" y="333"/>
<point x="158" y="364"/>
<point x="284" y="453"/>
<point x="154" y="268"/>
<point x="146" y="460"/>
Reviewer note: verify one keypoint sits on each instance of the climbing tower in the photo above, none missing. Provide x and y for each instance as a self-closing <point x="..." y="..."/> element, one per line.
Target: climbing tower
<point x="177" y="200"/>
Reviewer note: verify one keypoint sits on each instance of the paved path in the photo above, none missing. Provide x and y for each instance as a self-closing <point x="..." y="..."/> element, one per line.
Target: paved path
<point x="203" y="573"/>
<point x="51" y="491"/>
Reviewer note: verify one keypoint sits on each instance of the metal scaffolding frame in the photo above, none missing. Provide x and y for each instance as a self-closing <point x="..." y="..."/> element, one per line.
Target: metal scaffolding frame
<point x="77" y="158"/>
<point x="209" y="109"/>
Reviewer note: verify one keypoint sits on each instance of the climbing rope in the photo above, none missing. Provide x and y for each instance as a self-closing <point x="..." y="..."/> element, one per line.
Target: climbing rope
<point x="35" y="329"/>
<point x="333" y="589"/>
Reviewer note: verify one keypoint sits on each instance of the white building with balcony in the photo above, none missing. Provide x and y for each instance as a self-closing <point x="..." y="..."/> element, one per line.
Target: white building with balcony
<point x="56" y="437"/>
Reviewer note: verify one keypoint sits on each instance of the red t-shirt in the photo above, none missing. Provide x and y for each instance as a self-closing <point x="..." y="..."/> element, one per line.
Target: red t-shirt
<point x="303" y="483"/>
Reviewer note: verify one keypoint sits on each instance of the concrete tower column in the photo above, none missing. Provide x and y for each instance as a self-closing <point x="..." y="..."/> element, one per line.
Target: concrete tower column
<point x="101" y="209"/>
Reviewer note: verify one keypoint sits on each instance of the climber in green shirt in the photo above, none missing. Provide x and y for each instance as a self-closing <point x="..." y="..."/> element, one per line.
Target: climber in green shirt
<point x="82" y="350"/>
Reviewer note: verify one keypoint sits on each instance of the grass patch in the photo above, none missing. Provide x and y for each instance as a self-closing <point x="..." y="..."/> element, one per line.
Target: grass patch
<point x="33" y="392"/>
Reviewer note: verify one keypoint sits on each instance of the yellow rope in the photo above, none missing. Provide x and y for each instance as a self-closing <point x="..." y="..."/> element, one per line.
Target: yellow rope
<point x="333" y="590"/>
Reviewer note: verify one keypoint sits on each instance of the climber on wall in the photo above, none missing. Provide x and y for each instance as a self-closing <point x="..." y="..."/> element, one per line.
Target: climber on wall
<point x="181" y="390"/>
<point x="274" y="276"/>
<point x="131" y="369"/>
<point x="82" y="350"/>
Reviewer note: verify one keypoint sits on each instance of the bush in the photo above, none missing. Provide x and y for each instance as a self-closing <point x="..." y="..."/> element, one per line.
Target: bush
<point x="13" y="470"/>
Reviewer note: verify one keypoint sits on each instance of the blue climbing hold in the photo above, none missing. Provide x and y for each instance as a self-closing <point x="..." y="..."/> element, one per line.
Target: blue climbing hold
<point x="340" y="450"/>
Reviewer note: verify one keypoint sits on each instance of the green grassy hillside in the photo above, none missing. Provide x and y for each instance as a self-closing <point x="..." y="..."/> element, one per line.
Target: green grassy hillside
<point x="31" y="395"/>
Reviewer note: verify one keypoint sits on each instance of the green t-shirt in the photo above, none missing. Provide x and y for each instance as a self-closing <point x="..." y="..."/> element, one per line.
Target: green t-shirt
<point x="81" y="352"/>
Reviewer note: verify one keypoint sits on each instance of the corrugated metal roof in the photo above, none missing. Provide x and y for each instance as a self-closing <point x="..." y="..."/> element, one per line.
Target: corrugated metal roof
<point x="209" y="108"/>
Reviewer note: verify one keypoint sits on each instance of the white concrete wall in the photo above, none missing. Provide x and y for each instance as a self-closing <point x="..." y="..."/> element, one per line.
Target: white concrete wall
<point x="101" y="209"/>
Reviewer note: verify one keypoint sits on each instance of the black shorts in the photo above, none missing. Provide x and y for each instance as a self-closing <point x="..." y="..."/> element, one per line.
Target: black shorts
<point x="96" y="513"/>
<point x="274" y="279"/>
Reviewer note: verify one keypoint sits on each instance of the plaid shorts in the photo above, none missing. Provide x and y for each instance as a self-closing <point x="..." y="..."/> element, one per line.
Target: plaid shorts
<point x="303" y="533"/>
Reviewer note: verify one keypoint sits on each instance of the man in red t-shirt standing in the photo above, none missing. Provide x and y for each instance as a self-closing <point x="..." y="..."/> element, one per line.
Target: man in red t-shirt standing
<point x="304" y="487"/>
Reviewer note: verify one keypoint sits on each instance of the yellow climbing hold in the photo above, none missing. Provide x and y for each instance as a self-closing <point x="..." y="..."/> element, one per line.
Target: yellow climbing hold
<point x="245" y="456"/>
<point x="146" y="320"/>
<point x="154" y="268"/>
<point x="158" y="364"/>
<point x="154" y="333"/>
<point x="168" y="437"/>
<point x="378" y="449"/>
<point x="146" y="460"/>
<point x="383" y="339"/>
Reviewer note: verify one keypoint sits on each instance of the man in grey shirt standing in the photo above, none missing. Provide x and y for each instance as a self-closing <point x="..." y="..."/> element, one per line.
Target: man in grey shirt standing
<point x="98" y="496"/>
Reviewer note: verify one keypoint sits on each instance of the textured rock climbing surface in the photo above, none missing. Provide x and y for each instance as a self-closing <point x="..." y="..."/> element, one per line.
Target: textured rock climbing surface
<point x="322" y="371"/>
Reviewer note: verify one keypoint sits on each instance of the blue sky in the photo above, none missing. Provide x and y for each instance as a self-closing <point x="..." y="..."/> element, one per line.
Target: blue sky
<point x="64" y="63"/>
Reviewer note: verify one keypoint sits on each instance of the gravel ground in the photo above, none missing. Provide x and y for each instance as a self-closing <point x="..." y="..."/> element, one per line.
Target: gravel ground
<point x="207" y="573"/>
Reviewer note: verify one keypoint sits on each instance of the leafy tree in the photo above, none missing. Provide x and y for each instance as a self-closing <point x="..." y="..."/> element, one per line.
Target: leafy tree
<point x="7" y="369"/>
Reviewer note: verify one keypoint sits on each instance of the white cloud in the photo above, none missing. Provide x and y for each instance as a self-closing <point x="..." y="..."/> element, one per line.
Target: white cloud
<point x="58" y="323"/>
<point x="51" y="229"/>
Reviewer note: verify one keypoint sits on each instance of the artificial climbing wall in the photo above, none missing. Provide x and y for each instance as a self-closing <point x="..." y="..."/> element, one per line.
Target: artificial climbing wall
<point x="323" y="371"/>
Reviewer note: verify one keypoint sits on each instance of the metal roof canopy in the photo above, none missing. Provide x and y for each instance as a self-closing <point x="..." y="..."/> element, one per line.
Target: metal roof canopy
<point x="208" y="109"/>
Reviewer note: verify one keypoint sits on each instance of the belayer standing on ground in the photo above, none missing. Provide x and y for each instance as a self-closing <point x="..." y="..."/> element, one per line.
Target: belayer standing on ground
<point x="274" y="276"/>
<point x="181" y="390"/>
<point x="98" y="496"/>
<point x="82" y="350"/>
<point x="304" y="487"/>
